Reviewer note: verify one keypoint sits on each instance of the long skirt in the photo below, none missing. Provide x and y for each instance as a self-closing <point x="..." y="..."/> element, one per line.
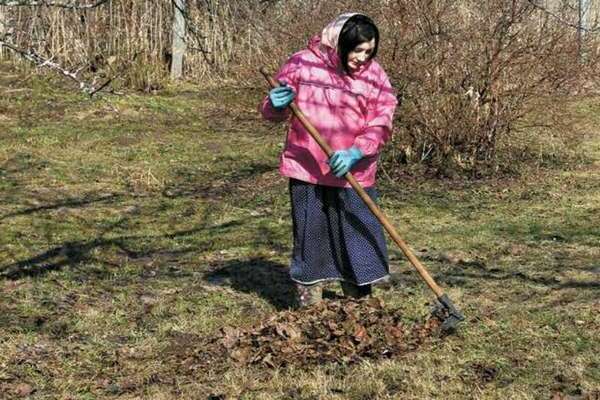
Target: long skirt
<point x="336" y="237"/>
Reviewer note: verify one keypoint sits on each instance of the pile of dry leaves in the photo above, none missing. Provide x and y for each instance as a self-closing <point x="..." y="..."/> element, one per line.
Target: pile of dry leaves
<point x="342" y="331"/>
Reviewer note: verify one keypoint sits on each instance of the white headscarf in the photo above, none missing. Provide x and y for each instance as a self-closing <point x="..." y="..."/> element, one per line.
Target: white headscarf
<point x="331" y="33"/>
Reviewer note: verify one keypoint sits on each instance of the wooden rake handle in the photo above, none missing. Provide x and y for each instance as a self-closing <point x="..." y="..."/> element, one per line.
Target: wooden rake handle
<point x="363" y="195"/>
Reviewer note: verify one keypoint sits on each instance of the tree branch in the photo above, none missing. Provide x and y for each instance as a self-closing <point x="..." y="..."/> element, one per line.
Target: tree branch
<point x="40" y="61"/>
<point x="69" y="4"/>
<point x="594" y="29"/>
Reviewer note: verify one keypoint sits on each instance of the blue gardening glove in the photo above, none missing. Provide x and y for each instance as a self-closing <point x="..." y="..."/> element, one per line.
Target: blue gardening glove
<point x="280" y="97"/>
<point x="342" y="161"/>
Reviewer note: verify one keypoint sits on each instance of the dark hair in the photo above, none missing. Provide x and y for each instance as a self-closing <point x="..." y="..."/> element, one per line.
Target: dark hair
<point x="358" y="29"/>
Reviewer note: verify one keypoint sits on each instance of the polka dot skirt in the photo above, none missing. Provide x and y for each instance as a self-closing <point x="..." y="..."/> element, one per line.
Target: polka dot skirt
<point x="336" y="237"/>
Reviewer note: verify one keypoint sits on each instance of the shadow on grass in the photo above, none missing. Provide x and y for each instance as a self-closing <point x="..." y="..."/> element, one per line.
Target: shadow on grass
<point x="67" y="203"/>
<point x="268" y="279"/>
<point x="462" y="275"/>
<point x="475" y="276"/>
<point x="196" y="184"/>
<point x="75" y="253"/>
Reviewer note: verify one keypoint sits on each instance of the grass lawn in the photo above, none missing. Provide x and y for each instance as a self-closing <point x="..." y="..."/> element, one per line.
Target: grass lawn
<point x="137" y="225"/>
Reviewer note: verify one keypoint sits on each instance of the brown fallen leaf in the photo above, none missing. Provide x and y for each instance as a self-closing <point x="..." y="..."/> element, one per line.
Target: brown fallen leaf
<point x="360" y="333"/>
<point x="340" y="331"/>
<point x="375" y="302"/>
<point x="24" y="389"/>
<point x="241" y="355"/>
<point x="287" y="331"/>
<point x="268" y="360"/>
<point x="229" y="338"/>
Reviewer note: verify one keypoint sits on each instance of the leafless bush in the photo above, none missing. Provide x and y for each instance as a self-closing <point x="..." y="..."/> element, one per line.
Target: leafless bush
<point x="470" y="73"/>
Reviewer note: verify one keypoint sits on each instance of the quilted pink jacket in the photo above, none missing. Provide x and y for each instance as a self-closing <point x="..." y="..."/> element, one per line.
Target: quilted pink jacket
<point x="347" y="110"/>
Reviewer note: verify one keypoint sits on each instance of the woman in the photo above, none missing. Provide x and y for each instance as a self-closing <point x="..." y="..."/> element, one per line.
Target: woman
<point x="347" y="96"/>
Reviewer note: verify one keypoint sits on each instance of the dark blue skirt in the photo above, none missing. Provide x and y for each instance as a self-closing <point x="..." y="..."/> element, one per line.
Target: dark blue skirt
<point x="336" y="237"/>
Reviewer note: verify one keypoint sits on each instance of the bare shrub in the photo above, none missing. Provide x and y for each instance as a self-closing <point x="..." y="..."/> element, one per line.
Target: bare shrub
<point x="471" y="73"/>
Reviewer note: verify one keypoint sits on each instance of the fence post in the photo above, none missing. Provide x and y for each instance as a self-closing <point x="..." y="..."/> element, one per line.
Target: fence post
<point x="583" y="24"/>
<point x="587" y="14"/>
<point x="179" y="45"/>
<point x="3" y="29"/>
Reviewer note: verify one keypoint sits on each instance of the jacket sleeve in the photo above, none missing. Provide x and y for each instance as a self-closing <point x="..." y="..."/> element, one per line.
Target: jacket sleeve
<point x="380" y="114"/>
<point x="288" y="74"/>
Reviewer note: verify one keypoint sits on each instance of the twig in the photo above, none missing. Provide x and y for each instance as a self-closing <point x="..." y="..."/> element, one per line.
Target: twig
<point x="40" y="61"/>
<point x="562" y="20"/>
<point x="70" y="4"/>
<point x="99" y="88"/>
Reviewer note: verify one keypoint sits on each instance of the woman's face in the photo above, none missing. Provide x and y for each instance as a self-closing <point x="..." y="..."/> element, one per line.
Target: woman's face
<point x="360" y="54"/>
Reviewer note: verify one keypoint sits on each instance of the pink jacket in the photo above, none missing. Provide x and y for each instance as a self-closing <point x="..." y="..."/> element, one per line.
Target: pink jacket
<point x="346" y="110"/>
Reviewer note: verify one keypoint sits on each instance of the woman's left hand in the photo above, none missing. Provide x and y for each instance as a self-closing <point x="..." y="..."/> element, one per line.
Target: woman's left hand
<point x="281" y="96"/>
<point x="342" y="161"/>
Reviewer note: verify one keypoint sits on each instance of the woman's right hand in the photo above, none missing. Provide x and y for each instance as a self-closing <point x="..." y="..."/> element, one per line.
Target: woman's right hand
<point x="281" y="97"/>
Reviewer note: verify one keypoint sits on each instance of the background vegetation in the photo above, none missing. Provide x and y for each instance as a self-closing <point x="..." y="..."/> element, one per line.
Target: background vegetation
<point x="469" y="73"/>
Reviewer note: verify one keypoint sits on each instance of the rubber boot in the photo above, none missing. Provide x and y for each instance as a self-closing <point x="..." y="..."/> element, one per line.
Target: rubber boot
<point x="355" y="291"/>
<point x="309" y="294"/>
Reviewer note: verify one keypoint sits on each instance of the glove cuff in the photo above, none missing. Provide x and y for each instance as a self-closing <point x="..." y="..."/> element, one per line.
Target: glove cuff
<point x="356" y="153"/>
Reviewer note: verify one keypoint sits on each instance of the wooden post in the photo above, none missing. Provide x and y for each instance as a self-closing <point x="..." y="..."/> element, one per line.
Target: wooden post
<point x="584" y="23"/>
<point x="179" y="45"/>
<point x="579" y="29"/>
<point x="587" y="17"/>
<point x="3" y="28"/>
